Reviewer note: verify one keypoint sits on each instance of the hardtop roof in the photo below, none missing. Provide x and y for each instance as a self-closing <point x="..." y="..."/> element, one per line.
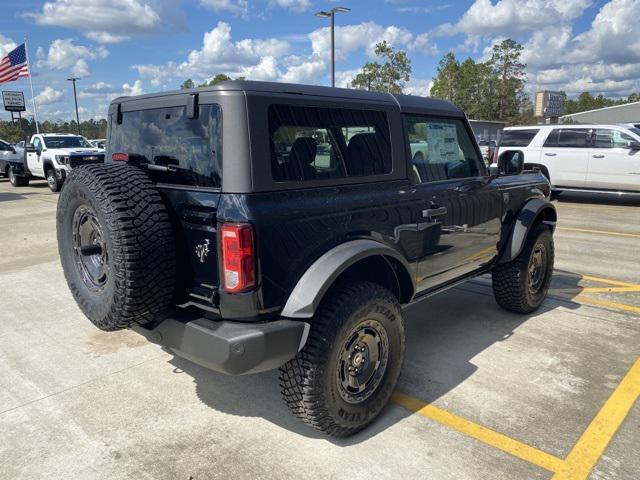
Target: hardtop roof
<point x="406" y="103"/>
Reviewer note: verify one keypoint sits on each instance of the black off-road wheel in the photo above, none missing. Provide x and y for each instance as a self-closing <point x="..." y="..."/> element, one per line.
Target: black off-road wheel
<point x="17" y="180"/>
<point x="116" y="246"/>
<point x="521" y="285"/>
<point x="344" y="376"/>
<point x="52" y="180"/>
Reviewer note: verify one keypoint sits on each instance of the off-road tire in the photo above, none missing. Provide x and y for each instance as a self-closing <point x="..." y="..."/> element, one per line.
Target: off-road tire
<point x="17" y="180"/>
<point x="511" y="280"/>
<point x="139" y="243"/>
<point x="52" y="180"/>
<point x="309" y="382"/>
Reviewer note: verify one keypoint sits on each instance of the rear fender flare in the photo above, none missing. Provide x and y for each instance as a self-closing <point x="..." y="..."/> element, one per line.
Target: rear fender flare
<point x="532" y="211"/>
<point x="314" y="283"/>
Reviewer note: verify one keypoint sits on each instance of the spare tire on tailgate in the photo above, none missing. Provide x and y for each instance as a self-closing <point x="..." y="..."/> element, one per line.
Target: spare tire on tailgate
<point x="116" y="245"/>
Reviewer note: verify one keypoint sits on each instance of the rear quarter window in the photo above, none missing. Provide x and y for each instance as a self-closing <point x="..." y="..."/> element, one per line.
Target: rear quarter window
<point x="568" y="138"/>
<point x="518" y="138"/>
<point x="316" y="143"/>
<point x="173" y="148"/>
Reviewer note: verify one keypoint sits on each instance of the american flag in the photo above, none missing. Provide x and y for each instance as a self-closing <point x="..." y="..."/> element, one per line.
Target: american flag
<point x="14" y="65"/>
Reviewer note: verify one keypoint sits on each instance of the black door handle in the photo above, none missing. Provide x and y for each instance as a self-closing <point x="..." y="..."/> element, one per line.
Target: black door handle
<point x="434" y="212"/>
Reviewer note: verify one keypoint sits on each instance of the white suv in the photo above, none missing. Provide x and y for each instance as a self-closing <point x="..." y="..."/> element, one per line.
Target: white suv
<point x="580" y="157"/>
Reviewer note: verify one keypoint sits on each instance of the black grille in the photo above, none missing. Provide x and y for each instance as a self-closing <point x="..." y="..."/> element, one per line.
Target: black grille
<point x="79" y="160"/>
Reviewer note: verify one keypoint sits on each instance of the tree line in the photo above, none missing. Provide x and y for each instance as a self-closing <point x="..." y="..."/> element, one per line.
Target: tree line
<point x="26" y="127"/>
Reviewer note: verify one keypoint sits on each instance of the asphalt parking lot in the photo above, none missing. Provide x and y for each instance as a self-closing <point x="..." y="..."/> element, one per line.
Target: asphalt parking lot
<point x="484" y="394"/>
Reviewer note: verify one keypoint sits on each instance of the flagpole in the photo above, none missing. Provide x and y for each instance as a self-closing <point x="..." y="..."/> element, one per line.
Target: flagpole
<point x="33" y="98"/>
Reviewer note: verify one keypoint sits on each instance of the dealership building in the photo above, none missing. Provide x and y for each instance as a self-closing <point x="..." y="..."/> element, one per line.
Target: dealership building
<point x="627" y="113"/>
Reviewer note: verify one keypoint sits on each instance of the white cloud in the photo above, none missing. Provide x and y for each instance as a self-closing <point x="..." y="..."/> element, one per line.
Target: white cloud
<point x="603" y="59"/>
<point x="112" y="21"/>
<point x="63" y="54"/>
<point x="6" y="45"/>
<point x="254" y="58"/>
<point x="293" y="5"/>
<point x="269" y="59"/>
<point x="236" y="7"/>
<point x="418" y="87"/>
<point x="135" y="89"/>
<point x="351" y="38"/>
<point x="508" y="17"/>
<point x="48" y="96"/>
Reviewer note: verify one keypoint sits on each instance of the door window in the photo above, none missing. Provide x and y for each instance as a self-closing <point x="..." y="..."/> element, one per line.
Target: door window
<point x="441" y="149"/>
<point x="36" y="143"/>
<point x="606" y="138"/>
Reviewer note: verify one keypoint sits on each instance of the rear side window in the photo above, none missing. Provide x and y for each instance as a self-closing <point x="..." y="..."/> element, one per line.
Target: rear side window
<point x="315" y="143"/>
<point x="518" y="138"/>
<point x="173" y="148"/>
<point x="568" y="138"/>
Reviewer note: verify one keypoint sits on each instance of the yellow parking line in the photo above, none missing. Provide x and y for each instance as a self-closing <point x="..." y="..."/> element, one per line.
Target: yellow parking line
<point x="593" y="442"/>
<point x="595" y="290"/>
<point x="606" y="303"/>
<point x="609" y="281"/>
<point x="601" y="232"/>
<point x="483" y="434"/>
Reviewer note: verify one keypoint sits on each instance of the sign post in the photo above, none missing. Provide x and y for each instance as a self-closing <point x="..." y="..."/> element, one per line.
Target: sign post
<point x="14" y="102"/>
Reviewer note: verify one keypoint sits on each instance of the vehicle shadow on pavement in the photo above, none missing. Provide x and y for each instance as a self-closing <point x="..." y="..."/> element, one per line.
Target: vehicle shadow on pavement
<point x="12" y="197"/>
<point x="443" y="335"/>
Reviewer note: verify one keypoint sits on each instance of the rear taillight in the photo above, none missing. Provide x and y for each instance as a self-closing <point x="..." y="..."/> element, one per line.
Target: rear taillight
<point x="120" y="157"/>
<point x="238" y="257"/>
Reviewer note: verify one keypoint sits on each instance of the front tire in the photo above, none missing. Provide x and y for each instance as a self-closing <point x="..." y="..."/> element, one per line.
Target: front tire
<point x="521" y="285"/>
<point x="344" y="376"/>
<point x="116" y="246"/>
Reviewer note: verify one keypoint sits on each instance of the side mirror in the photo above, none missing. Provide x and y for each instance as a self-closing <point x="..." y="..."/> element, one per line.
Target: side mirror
<point x="12" y="148"/>
<point x="29" y="148"/>
<point x="511" y="162"/>
<point x="633" y="145"/>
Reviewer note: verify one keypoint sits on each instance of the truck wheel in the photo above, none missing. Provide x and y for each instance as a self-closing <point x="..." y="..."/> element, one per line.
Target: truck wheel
<point x="52" y="180"/>
<point x="116" y="245"/>
<point x="17" y="180"/>
<point x="522" y="284"/>
<point x="344" y="376"/>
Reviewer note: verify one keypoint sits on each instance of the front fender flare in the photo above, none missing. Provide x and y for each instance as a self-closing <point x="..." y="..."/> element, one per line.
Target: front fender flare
<point x="314" y="283"/>
<point x="527" y="216"/>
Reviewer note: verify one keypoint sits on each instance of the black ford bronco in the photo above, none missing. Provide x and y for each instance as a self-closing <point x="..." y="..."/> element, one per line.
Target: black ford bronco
<point x="250" y="226"/>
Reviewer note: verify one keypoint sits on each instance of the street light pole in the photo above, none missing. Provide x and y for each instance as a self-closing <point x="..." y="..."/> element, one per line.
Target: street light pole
<point x="332" y="15"/>
<point x="75" y="98"/>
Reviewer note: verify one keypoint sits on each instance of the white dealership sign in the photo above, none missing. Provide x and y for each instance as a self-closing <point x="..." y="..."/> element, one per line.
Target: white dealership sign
<point x="13" y="101"/>
<point x="549" y="104"/>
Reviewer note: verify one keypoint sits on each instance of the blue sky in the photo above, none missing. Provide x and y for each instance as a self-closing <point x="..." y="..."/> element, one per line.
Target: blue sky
<point x="135" y="46"/>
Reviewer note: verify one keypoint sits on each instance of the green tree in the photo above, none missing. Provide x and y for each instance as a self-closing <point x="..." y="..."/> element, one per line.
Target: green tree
<point x="187" y="84"/>
<point x="510" y="78"/>
<point x="219" y="78"/>
<point x="492" y="90"/>
<point x="447" y="84"/>
<point x="389" y="76"/>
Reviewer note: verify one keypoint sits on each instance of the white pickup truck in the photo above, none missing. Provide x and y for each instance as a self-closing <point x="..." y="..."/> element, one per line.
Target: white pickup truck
<point x="53" y="155"/>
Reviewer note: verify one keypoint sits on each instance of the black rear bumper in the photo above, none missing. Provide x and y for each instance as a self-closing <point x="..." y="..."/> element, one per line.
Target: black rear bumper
<point x="234" y="348"/>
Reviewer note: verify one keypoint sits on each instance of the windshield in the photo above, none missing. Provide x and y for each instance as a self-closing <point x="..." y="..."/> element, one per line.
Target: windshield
<point x="635" y="130"/>
<point x="66" y="142"/>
